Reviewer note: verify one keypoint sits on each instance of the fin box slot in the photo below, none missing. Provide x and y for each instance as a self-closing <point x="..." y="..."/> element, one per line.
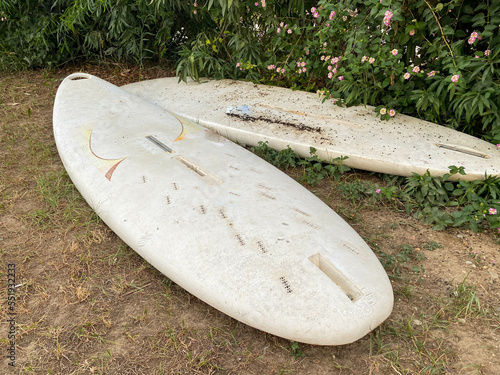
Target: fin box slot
<point x="463" y="150"/>
<point x="158" y="143"/>
<point x="205" y="175"/>
<point x="334" y="274"/>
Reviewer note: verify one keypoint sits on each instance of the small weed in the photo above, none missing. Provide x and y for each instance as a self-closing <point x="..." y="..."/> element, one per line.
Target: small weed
<point x="357" y="190"/>
<point x="282" y="371"/>
<point x="393" y="264"/>
<point x="407" y="291"/>
<point x="55" y="187"/>
<point x="314" y="170"/>
<point x="432" y="245"/>
<point x="465" y="300"/>
<point x="295" y="350"/>
<point x="283" y="159"/>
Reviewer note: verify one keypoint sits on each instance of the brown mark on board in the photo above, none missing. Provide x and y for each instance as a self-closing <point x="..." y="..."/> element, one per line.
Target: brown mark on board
<point x="298" y="126"/>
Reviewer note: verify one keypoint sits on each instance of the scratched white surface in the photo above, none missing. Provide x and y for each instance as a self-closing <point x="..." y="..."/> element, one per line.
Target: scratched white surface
<point x="216" y="219"/>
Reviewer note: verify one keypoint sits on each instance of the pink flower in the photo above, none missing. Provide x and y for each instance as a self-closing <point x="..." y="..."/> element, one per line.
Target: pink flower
<point x="407" y="75"/>
<point x="195" y="4"/>
<point x="371" y="60"/>
<point x="394" y="52"/>
<point x="431" y="74"/>
<point x="377" y="191"/>
<point x="263" y="2"/>
<point x="279" y="30"/>
<point x="487" y="52"/>
<point x="283" y="70"/>
<point x="256" y="4"/>
<point x="387" y="18"/>
<point x="330" y="75"/>
<point x="364" y="58"/>
<point x="332" y="14"/>
<point x="341" y="78"/>
<point x="289" y="31"/>
<point x="195" y="11"/>
<point x="492" y="211"/>
<point x="416" y="69"/>
<point x="330" y="67"/>
<point x="473" y="37"/>
<point x="383" y="111"/>
<point x="313" y="10"/>
<point x="455" y="78"/>
<point x="412" y="32"/>
<point x="238" y="64"/>
<point x="392" y="113"/>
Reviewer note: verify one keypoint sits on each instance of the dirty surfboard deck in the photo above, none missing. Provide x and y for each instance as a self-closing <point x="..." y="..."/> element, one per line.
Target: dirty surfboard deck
<point x="247" y="113"/>
<point x="217" y="220"/>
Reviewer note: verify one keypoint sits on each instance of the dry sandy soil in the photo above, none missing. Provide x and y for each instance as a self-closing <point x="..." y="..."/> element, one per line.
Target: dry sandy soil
<point x="86" y="303"/>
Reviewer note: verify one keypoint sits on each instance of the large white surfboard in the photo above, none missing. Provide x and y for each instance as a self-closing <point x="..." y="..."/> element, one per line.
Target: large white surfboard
<point x="216" y="219"/>
<point x="247" y="113"/>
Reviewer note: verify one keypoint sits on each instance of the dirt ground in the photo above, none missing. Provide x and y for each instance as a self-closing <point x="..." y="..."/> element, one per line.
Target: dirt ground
<point x="85" y="303"/>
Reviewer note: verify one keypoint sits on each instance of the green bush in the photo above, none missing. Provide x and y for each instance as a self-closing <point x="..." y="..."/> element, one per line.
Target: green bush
<point x="48" y="33"/>
<point x="443" y="203"/>
<point x="238" y="42"/>
<point x="435" y="60"/>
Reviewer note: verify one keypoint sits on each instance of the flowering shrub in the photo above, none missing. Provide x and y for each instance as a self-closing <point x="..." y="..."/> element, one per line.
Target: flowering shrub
<point x="438" y="61"/>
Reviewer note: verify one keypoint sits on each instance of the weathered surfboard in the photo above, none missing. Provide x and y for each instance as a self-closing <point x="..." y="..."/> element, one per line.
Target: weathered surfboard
<point x="225" y="225"/>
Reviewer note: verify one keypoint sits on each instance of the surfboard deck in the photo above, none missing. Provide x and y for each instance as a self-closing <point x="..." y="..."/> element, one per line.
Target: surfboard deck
<point x="248" y="113"/>
<point x="217" y="220"/>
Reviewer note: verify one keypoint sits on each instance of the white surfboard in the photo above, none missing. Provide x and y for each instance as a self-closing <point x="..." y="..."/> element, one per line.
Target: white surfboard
<point x="216" y="219"/>
<point x="247" y="113"/>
